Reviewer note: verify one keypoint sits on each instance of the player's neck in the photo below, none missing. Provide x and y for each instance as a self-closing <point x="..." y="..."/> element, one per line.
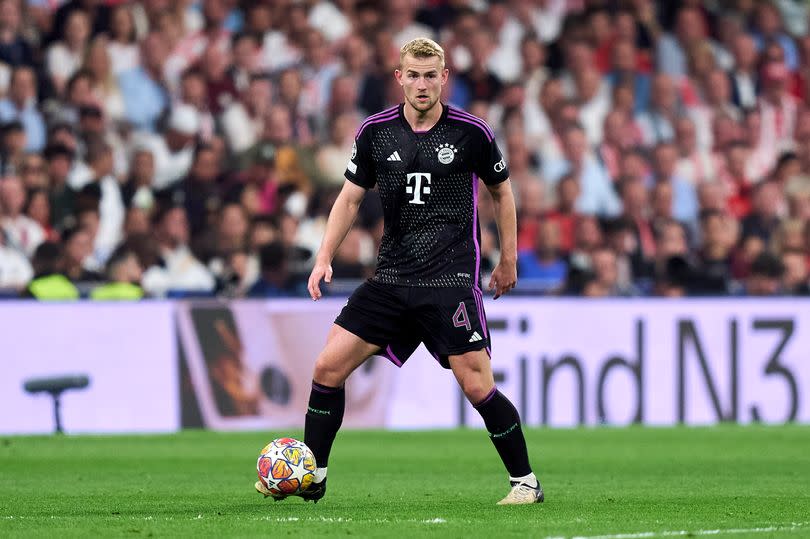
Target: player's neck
<point x="423" y="121"/>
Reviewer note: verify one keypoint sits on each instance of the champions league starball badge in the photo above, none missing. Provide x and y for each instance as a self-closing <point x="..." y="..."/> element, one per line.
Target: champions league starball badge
<point x="447" y="152"/>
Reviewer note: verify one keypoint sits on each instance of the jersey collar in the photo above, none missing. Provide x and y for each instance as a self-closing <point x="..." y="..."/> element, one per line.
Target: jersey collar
<point x="408" y="127"/>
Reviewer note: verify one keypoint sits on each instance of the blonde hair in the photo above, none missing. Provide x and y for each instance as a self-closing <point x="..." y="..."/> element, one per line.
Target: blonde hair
<point x="422" y="47"/>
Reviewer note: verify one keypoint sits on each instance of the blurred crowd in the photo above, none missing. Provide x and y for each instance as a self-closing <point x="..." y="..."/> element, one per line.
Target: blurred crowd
<point x="194" y="147"/>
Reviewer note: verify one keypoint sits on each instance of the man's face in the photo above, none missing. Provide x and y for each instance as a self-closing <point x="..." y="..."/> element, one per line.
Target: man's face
<point x="575" y="145"/>
<point x="422" y="80"/>
<point x="23" y="85"/>
<point x="79" y="247"/>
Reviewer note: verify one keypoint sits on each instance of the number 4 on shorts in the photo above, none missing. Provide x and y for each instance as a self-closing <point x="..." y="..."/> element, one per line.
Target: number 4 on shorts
<point x="460" y="319"/>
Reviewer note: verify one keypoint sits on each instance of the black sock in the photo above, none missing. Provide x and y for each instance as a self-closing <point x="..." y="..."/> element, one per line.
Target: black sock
<point x="503" y="423"/>
<point x="324" y="416"/>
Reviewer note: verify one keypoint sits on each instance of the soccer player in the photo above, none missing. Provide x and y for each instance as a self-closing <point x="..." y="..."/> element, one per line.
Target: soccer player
<point x="426" y="159"/>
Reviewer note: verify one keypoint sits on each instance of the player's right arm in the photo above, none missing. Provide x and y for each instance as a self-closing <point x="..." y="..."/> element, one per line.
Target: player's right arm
<point x="341" y="218"/>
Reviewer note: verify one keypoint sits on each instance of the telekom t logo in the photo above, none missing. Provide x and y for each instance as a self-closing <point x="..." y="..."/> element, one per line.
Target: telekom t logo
<point x="418" y="184"/>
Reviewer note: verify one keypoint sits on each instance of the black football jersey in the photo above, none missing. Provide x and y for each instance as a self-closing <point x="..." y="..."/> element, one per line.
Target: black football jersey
<point x="428" y="184"/>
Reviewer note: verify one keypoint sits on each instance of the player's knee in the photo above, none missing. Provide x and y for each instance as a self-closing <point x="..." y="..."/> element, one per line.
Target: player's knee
<point x="329" y="372"/>
<point x="475" y="388"/>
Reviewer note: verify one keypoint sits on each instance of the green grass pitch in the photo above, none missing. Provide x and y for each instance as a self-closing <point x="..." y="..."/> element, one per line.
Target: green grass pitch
<point x="620" y="483"/>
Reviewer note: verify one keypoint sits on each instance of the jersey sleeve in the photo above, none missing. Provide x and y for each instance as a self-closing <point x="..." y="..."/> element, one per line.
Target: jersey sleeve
<point x="492" y="165"/>
<point x="360" y="168"/>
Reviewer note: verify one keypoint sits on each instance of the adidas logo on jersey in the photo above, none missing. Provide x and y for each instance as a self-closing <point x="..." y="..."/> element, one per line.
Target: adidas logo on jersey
<point x="475" y="337"/>
<point x="394" y="157"/>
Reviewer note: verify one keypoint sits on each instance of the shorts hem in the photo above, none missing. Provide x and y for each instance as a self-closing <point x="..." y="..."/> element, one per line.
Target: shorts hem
<point x="353" y="331"/>
<point x="481" y="345"/>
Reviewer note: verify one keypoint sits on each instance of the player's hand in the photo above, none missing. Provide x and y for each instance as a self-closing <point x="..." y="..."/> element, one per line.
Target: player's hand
<point x="322" y="270"/>
<point x="504" y="278"/>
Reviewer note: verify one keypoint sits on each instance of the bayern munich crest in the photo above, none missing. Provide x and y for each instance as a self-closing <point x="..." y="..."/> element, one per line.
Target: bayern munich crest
<point x="447" y="152"/>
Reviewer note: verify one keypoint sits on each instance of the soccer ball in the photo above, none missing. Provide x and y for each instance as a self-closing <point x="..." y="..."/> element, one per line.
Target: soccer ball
<point x="286" y="466"/>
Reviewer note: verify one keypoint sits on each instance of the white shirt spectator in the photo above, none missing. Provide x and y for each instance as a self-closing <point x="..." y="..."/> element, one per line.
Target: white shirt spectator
<point x="241" y="131"/>
<point x="329" y="21"/>
<point x="123" y="57"/>
<point x="111" y="218"/>
<point x="592" y="114"/>
<point x="15" y="270"/>
<point x="778" y="122"/>
<point x="505" y="61"/>
<point x="697" y="168"/>
<point x="277" y="52"/>
<point x="655" y="128"/>
<point x="182" y="272"/>
<point x="23" y="233"/>
<point x="170" y="166"/>
<point x="62" y="62"/>
<point x="536" y="123"/>
<point x="547" y="21"/>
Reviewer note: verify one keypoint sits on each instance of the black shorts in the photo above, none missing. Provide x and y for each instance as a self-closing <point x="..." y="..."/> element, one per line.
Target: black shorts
<point x="449" y="321"/>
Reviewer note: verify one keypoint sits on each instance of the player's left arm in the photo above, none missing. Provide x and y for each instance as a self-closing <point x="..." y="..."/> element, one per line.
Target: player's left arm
<point x="504" y="276"/>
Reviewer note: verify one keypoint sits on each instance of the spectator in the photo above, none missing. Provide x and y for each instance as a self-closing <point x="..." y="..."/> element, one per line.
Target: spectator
<point x="735" y="180"/>
<point x="221" y="90"/>
<point x="143" y="87"/>
<point x="795" y="279"/>
<point x="777" y="107"/>
<point x="597" y="195"/>
<point x="12" y="147"/>
<point x="173" y="152"/>
<point x="246" y="59"/>
<point x="587" y="238"/>
<point x="717" y="244"/>
<point x="695" y="164"/>
<point x="110" y="101"/>
<point x="606" y="281"/>
<point x="181" y="269"/>
<point x="684" y="196"/>
<point x="543" y="268"/>
<point x="38" y="208"/>
<point x="766" y="276"/>
<point x="15" y="271"/>
<point x="49" y="283"/>
<point x="769" y="26"/>
<point x="635" y="201"/>
<point x="243" y="120"/>
<point x="672" y="48"/>
<point x="66" y="56"/>
<point x="624" y="70"/>
<point x="124" y="274"/>
<point x="33" y="172"/>
<point x="21" y="232"/>
<point x="77" y="260"/>
<point x="348" y="262"/>
<point x="194" y="91"/>
<point x="530" y="199"/>
<point x="21" y="105"/>
<point x="764" y="219"/>
<point x="615" y="140"/>
<point x="58" y="162"/>
<point x="15" y="50"/>
<point x="744" y="78"/>
<point x="657" y="123"/>
<point x="331" y="157"/>
<point x="274" y="280"/>
<point x="123" y="45"/>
